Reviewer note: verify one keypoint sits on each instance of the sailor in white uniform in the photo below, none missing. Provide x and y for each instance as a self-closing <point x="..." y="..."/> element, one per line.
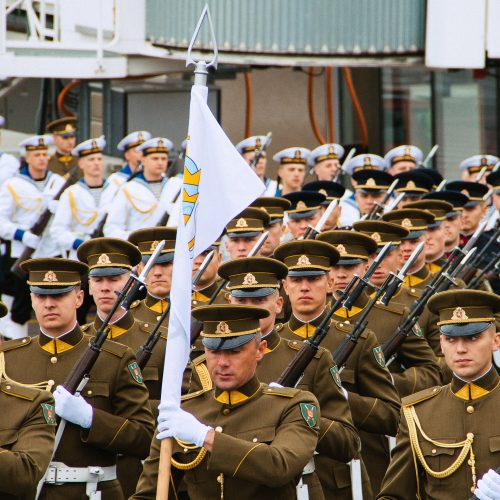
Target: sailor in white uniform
<point x="149" y="199"/>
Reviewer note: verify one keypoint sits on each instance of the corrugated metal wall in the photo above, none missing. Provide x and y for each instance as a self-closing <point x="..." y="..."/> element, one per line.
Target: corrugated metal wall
<point x="340" y="27"/>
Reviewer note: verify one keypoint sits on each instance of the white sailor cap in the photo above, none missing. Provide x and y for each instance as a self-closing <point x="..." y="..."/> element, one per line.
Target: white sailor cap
<point x="407" y="152"/>
<point x="475" y="163"/>
<point x="156" y="145"/>
<point x="365" y="161"/>
<point x="133" y="140"/>
<point x="89" y="147"/>
<point x="250" y="144"/>
<point x="36" y="142"/>
<point x="326" y="152"/>
<point x="292" y="155"/>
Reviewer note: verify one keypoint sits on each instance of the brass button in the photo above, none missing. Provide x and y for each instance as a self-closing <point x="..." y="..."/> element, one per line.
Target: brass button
<point x="470" y="435"/>
<point x="195" y="302"/>
<point x="434" y="390"/>
<point x="24" y="341"/>
<point x="218" y="429"/>
<point x="469" y="462"/>
<point x="53" y="360"/>
<point x="226" y="411"/>
<point x="412" y="290"/>
<point x="50" y="383"/>
<point x="347" y="321"/>
<point x="294" y="342"/>
<point x="146" y="325"/>
<point x="254" y="440"/>
<point x="219" y="478"/>
<point x="89" y="392"/>
<point x="185" y="450"/>
<point x="470" y="409"/>
<point x="7" y="387"/>
<point x="433" y="450"/>
<point x="158" y="318"/>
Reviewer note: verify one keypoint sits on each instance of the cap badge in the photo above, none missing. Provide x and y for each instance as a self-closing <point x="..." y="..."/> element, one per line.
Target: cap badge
<point x="241" y="222"/>
<point x="484" y="161"/>
<point x="103" y="259"/>
<point x="367" y="161"/>
<point x="464" y="191"/>
<point x="50" y="276"/>
<point x="331" y="150"/>
<point x="323" y="191"/>
<point x="223" y="327"/>
<point x="408" y="151"/>
<point x="406" y="223"/>
<point x="154" y="245"/>
<point x="68" y="128"/>
<point x="298" y="154"/>
<point x="303" y="260"/>
<point x="160" y="143"/>
<point x="140" y="137"/>
<point x="258" y="143"/>
<point x="371" y="182"/>
<point x="341" y="249"/>
<point x="410" y="185"/>
<point x="250" y="279"/>
<point x="376" y="237"/>
<point x="301" y="205"/>
<point x="94" y="145"/>
<point x="459" y="315"/>
<point x="40" y="141"/>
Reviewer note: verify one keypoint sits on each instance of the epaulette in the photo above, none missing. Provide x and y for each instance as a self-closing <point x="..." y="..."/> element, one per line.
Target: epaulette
<point x="392" y="307"/>
<point x="148" y="328"/>
<point x="346" y="327"/>
<point x="192" y="395"/>
<point x="19" y="391"/>
<point x="279" y="326"/>
<point x="420" y="396"/>
<point x="285" y="392"/>
<point x="85" y="327"/>
<point x="115" y="348"/>
<point x="199" y="359"/>
<point x="15" y="343"/>
<point x="297" y="344"/>
<point x="134" y="304"/>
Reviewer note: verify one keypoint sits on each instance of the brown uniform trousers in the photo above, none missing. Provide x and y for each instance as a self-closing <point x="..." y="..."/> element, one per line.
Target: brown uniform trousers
<point x="338" y="438"/>
<point x="261" y="446"/>
<point x="446" y="414"/>
<point x="27" y="429"/>
<point x="373" y="400"/>
<point x="122" y="422"/>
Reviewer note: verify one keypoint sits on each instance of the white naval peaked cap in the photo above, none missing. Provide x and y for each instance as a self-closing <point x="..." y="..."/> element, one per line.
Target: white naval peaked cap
<point x="324" y="152"/>
<point x="292" y="155"/>
<point x="36" y="142"/>
<point x="477" y="162"/>
<point x="407" y="152"/>
<point x="156" y="145"/>
<point x="365" y="161"/>
<point x="251" y="144"/>
<point x="133" y="140"/>
<point x="89" y="147"/>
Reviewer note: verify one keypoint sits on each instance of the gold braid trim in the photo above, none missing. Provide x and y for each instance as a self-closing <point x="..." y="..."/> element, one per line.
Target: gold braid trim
<point x="194" y="463"/>
<point x="135" y="207"/>
<point x="17" y="200"/>
<point x="74" y="211"/>
<point x="204" y="376"/>
<point x="466" y="445"/>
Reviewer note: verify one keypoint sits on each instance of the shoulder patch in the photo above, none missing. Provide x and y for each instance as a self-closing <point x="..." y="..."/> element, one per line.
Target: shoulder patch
<point x="297" y="344"/>
<point x="417" y="330"/>
<point x="192" y="395"/>
<point x="19" y="391"/>
<point x="135" y="371"/>
<point x="286" y="392"/>
<point x="379" y="356"/>
<point x="334" y="372"/>
<point x="309" y="413"/>
<point x="49" y="413"/>
<point x="85" y="327"/>
<point x="420" y="396"/>
<point x="279" y="326"/>
<point x="9" y="345"/>
<point x="115" y="348"/>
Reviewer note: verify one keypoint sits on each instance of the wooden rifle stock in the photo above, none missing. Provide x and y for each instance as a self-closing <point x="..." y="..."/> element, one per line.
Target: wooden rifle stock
<point x="41" y="224"/>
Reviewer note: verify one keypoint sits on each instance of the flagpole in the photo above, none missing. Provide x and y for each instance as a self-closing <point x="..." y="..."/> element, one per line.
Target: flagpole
<point x="200" y="78"/>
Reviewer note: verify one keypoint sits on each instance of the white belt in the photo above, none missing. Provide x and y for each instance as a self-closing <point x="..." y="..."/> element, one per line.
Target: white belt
<point x="59" y="473"/>
<point x="310" y="467"/>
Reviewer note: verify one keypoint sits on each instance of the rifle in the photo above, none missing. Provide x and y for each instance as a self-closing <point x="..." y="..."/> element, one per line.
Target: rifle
<point x="377" y="207"/>
<point x="41" y="224"/>
<point x="399" y="278"/>
<point x="311" y="232"/>
<point x="347" y="159"/>
<point x="197" y="326"/>
<point x="494" y="263"/>
<point x="261" y="151"/>
<point x="481" y="173"/>
<point x="430" y="155"/>
<point x="392" y="205"/>
<point x="145" y="351"/>
<point x="441" y="186"/>
<point x="292" y="374"/>
<point x="391" y="345"/>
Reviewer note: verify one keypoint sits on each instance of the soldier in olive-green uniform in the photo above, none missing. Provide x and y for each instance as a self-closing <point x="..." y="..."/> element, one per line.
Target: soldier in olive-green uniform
<point x="63" y="133"/>
<point x="416" y="365"/>
<point x="373" y="400"/>
<point x="249" y="440"/>
<point x="112" y="417"/>
<point x="449" y="435"/>
<point x="256" y="281"/>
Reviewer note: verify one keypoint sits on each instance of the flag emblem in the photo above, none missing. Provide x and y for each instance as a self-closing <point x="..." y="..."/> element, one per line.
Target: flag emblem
<point x="192" y="174"/>
<point x="135" y="371"/>
<point x="309" y="413"/>
<point x="379" y="356"/>
<point x="48" y="413"/>
<point x="417" y="330"/>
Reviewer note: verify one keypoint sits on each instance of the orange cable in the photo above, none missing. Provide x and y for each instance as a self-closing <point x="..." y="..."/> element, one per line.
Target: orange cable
<point x="357" y="105"/>
<point x="310" y="106"/>
<point x="62" y="96"/>
<point x="329" y="101"/>
<point x="248" y="114"/>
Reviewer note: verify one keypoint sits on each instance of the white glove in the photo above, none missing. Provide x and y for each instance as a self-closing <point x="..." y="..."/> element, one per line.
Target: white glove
<point x="30" y="240"/>
<point x="175" y="422"/>
<point x="52" y="206"/>
<point x="276" y="385"/>
<point x="488" y="487"/>
<point x="74" y="409"/>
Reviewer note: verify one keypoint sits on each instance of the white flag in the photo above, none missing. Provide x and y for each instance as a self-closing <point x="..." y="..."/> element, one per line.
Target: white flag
<point x="218" y="185"/>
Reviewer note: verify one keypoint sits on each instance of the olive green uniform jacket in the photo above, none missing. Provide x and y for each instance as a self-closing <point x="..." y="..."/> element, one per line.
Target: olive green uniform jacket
<point x="264" y="437"/>
<point x="373" y="400"/>
<point x="122" y="421"/>
<point x="27" y="429"/>
<point x="62" y="164"/>
<point x="446" y="415"/>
